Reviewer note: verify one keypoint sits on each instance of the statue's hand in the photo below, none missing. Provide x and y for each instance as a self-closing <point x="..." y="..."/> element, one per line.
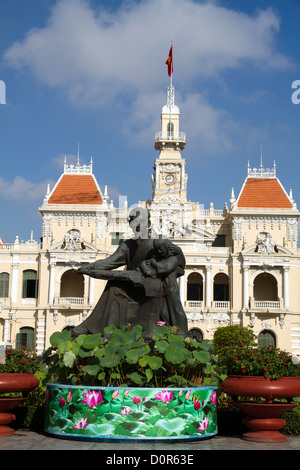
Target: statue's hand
<point x="84" y="269"/>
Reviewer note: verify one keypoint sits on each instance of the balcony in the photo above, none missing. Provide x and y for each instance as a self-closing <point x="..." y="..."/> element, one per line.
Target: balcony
<point x="221" y="304"/>
<point x="69" y="302"/>
<point x="161" y="139"/>
<point x="266" y="304"/>
<point x="194" y="304"/>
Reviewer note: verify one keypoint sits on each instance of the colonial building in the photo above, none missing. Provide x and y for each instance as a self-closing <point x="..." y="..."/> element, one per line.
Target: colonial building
<point x="242" y="261"/>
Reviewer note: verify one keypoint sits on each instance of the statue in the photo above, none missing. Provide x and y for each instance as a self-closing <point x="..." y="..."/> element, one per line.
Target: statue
<point x="147" y="291"/>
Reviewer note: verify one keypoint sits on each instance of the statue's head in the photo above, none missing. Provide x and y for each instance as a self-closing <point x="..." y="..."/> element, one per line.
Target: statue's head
<point x="139" y="221"/>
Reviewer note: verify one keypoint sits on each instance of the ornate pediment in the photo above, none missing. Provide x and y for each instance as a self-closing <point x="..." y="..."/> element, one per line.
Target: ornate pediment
<point x="73" y="242"/>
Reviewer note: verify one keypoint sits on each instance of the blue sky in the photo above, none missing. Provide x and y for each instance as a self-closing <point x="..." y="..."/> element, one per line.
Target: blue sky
<point x="94" y="72"/>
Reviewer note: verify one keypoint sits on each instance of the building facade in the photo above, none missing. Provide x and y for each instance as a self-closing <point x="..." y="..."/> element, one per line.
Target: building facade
<point x="242" y="261"/>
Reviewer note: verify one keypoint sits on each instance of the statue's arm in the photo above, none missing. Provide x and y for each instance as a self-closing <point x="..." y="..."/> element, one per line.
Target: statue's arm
<point x="117" y="259"/>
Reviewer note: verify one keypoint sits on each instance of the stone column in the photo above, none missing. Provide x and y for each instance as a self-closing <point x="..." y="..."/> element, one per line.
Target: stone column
<point x="14" y="282"/>
<point x="156" y="176"/>
<point x="182" y="176"/>
<point x="92" y="291"/>
<point x="51" y="282"/>
<point x="6" y="331"/>
<point x="182" y="289"/>
<point x="245" y="287"/>
<point x="286" y="290"/>
<point x="208" y="286"/>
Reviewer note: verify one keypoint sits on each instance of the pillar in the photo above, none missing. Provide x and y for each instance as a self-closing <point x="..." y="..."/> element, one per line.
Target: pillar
<point x="286" y="290"/>
<point x="51" y="282"/>
<point x="245" y="287"/>
<point x="208" y="286"/>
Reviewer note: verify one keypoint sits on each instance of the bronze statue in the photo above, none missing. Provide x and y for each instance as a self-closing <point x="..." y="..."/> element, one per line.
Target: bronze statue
<point x="147" y="291"/>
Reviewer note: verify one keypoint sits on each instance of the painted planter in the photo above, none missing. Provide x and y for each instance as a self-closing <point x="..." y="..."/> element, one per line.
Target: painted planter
<point x="263" y="419"/>
<point x="13" y="383"/>
<point x="98" y="413"/>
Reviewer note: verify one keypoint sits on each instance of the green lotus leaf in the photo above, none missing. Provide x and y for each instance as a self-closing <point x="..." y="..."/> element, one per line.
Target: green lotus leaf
<point x="162" y="345"/>
<point x="202" y="356"/>
<point x="91" y="369"/>
<point x="133" y="355"/>
<point x="69" y="359"/>
<point x="155" y="362"/>
<point x="161" y="331"/>
<point x="60" y="337"/>
<point x="149" y="374"/>
<point x="136" y="378"/>
<point x="110" y="360"/>
<point x="174" y="355"/>
<point x="64" y="347"/>
<point x="91" y="341"/>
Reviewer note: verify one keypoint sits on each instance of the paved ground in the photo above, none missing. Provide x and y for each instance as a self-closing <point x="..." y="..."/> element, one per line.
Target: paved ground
<point x="24" y="439"/>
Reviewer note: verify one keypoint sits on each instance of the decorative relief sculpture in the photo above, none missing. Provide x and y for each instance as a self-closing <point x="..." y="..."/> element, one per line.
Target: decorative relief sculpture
<point x="265" y="243"/>
<point x="73" y="241"/>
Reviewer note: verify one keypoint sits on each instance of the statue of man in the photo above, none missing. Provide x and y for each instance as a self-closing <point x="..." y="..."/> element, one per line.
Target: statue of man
<point x="145" y="292"/>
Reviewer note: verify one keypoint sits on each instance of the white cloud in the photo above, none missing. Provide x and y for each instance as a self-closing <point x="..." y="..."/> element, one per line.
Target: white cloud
<point x="94" y="54"/>
<point x="22" y="190"/>
<point x="116" y="59"/>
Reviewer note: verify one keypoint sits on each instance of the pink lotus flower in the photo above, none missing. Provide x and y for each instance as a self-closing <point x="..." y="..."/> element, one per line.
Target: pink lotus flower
<point x="115" y="394"/>
<point x="126" y="411"/>
<point x="165" y="396"/>
<point x="80" y="423"/>
<point x="160" y="323"/>
<point x="136" y="400"/>
<point x="92" y="398"/>
<point x="213" y="398"/>
<point x="187" y="395"/>
<point x="61" y="402"/>
<point x="69" y="397"/>
<point x="197" y="405"/>
<point x="204" y="424"/>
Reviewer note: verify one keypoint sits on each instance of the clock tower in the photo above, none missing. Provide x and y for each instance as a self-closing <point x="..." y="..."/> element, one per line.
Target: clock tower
<point x="169" y="180"/>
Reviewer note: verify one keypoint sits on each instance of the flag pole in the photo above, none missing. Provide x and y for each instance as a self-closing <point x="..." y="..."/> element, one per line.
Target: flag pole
<point x="172" y="61"/>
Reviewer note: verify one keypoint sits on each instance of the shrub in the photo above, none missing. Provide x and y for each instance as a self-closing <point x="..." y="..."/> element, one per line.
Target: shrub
<point x="20" y="360"/>
<point x="267" y="362"/>
<point x="232" y="338"/>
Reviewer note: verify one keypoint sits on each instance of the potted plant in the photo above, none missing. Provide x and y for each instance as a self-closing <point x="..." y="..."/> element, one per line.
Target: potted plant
<point x="17" y="379"/>
<point x="266" y="373"/>
<point x="117" y="385"/>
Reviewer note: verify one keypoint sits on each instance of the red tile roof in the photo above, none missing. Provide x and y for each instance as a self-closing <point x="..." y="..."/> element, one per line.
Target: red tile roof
<point x="76" y="189"/>
<point x="263" y="193"/>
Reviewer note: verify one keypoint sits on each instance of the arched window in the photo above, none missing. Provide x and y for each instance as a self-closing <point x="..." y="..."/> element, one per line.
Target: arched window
<point x="266" y="338"/>
<point x="195" y="287"/>
<point x="30" y="284"/>
<point x="72" y="284"/>
<point x="195" y="333"/>
<point x="4" y="284"/>
<point x="265" y="287"/>
<point x="25" y="338"/>
<point x="221" y="287"/>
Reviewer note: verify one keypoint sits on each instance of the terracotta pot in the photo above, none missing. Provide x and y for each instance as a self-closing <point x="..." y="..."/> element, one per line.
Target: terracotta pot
<point x="13" y="383"/>
<point x="247" y="386"/>
<point x="263" y="419"/>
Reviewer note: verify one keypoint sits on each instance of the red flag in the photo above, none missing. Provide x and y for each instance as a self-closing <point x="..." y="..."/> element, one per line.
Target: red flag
<point x="169" y="62"/>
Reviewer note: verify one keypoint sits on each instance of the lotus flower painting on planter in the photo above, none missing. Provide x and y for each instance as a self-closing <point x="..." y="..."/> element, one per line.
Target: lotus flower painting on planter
<point x="131" y="413"/>
<point x="118" y="385"/>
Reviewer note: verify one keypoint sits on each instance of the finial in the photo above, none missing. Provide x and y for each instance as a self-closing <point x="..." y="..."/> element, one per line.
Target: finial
<point x="261" y="164"/>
